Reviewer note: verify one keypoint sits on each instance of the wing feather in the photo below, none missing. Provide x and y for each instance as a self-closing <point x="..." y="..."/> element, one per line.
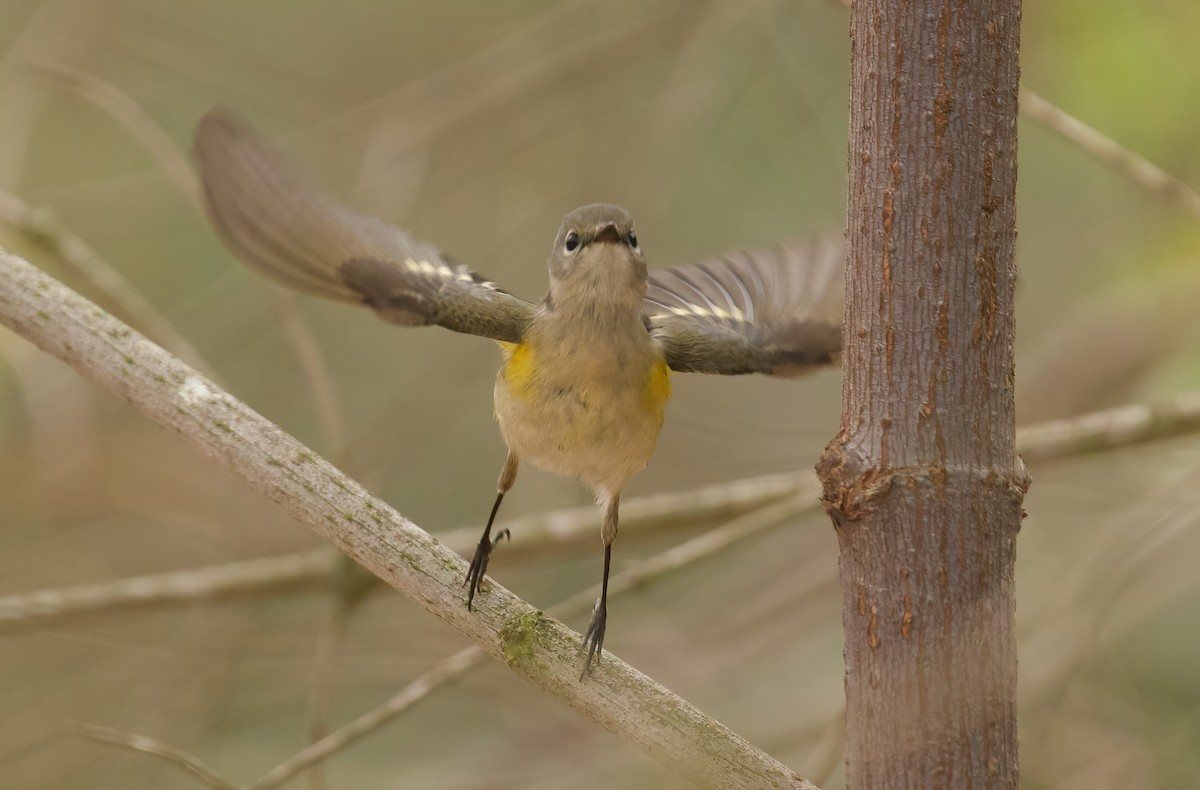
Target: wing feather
<point x="281" y="223"/>
<point x="775" y="310"/>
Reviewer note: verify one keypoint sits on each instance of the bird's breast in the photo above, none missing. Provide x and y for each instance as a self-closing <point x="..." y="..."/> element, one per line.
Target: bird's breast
<point x="589" y="408"/>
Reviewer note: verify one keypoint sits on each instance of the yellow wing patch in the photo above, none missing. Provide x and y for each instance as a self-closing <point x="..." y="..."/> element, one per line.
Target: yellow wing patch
<point x="519" y="367"/>
<point x="658" y="387"/>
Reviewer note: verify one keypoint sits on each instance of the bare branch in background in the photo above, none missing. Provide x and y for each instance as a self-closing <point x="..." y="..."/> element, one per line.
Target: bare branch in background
<point x="445" y="671"/>
<point x="331" y="638"/>
<point x="1100" y="431"/>
<point x="317" y="566"/>
<point x="194" y="584"/>
<point x="1125" y="161"/>
<point x="312" y="364"/>
<point x="535" y="647"/>
<point x="469" y="87"/>
<point x="1111" y="429"/>
<point x="122" y="107"/>
<point x="188" y="763"/>
<point x="147" y="131"/>
<point x="41" y="227"/>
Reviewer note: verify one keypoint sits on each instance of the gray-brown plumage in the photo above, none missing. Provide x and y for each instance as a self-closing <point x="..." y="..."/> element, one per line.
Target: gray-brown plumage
<point x="774" y="311"/>
<point x="584" y="381"/>
<point x="288" y="227"/>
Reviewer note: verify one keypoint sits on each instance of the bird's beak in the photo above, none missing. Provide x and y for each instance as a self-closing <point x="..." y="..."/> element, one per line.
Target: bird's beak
<point x="607" y="232"/>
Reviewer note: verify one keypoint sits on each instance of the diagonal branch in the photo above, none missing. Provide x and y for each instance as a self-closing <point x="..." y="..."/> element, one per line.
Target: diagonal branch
<point x="40" y="226"/>
<point x="155" y="140"/>
<point x="186" y="762"/>
<point x="1125" y="161"/>
<point x="536" y="647"/>
<point x="1106" y="150"/>
<point x="124" y="108"/>
<point x="462" y="662"/>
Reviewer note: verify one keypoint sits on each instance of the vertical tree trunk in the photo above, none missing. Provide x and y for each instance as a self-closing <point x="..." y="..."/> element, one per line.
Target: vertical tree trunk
<point x="923" y="481"/>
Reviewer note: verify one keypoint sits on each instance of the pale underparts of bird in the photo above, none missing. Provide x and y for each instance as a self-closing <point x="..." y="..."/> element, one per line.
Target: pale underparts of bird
<point x="585" y="373"/>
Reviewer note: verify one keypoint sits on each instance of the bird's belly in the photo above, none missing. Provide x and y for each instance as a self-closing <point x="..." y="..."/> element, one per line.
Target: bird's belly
<point x="600" y="430"/>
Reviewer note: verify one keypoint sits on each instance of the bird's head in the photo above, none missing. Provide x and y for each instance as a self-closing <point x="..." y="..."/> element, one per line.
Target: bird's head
<point x="597" y="260"/>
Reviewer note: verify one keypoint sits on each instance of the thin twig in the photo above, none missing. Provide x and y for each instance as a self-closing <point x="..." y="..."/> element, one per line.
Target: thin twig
<point x="456" y="666"/>
<point x="558" y="527"/>
<point x="1125" y="161"/>
<point x="316" y="372"/>
<point x="188" y="763"/>
<point x="122" y="107"/>
<point x="1111" y="429"/>
<point x="41" y="227"/>
<point x="194" y="584"/>
<point x="535" y="647"/>
<point x="658" y="511"/>
<point x="330" y="640"/>
<point x="467" y="87"/>
<point x="147" y="131"/>
<point x="1106" y="430"/>
<point x="445" y="671"/>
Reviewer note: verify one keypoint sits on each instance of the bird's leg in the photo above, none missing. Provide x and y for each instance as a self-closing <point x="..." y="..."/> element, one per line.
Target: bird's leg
<point x="479" y="561"/>
<point x="593" y="638"/>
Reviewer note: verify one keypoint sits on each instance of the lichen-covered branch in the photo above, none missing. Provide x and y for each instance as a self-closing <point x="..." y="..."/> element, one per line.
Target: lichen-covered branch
<point x="534" y="646"/>
<point x="462" y="662"/>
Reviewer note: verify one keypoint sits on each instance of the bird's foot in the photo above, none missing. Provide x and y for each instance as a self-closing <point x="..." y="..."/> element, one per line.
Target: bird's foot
<point x="593" y="638"/>
<point x="479" y="564"/>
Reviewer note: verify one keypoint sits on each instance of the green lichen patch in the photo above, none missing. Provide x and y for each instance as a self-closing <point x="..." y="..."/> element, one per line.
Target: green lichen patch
<point x="520" y="638"/>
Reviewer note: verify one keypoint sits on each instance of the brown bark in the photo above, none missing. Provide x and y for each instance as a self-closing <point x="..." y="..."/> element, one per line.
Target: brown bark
<point x="923" y="481"/>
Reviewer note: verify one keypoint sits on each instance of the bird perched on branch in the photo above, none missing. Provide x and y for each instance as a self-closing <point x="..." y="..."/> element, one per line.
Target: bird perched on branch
<point x="585" y="375"/>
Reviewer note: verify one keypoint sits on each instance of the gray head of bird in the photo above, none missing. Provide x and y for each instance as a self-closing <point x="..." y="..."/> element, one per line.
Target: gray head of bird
<point x="597" y="260"/>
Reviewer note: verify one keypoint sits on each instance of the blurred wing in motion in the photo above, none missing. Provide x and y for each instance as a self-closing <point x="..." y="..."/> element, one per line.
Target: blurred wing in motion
<point x="278" y="221"/>
<point x="775" y="311"/>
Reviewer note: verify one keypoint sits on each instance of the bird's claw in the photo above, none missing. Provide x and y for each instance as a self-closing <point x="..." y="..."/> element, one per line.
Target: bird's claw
<point x="593" y="638"/>
<point x="479" y="564"/>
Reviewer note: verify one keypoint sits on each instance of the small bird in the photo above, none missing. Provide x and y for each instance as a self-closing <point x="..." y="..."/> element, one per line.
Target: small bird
<point x="585" y="374"/>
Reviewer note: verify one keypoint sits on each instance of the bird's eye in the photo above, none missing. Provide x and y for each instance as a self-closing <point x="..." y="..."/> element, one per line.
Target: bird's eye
<point x="572" y="242"/>
<point x="632" y="239"/>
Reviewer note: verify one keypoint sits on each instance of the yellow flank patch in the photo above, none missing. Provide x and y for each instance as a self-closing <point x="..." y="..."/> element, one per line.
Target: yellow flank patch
<point x="658" y="386"/>
<point x="519" y="367"/>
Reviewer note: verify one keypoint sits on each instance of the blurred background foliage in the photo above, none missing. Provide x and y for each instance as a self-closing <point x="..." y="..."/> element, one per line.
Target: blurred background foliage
<point x="477" y="125"/>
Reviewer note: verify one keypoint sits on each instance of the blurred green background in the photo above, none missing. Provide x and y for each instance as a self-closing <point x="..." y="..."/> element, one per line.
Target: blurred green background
<point x="478" y="125"/>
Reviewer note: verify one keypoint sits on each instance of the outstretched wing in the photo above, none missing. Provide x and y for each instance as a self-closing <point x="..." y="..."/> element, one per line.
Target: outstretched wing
<point x="283" y="224"/>
<point x="775" y="311"/>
